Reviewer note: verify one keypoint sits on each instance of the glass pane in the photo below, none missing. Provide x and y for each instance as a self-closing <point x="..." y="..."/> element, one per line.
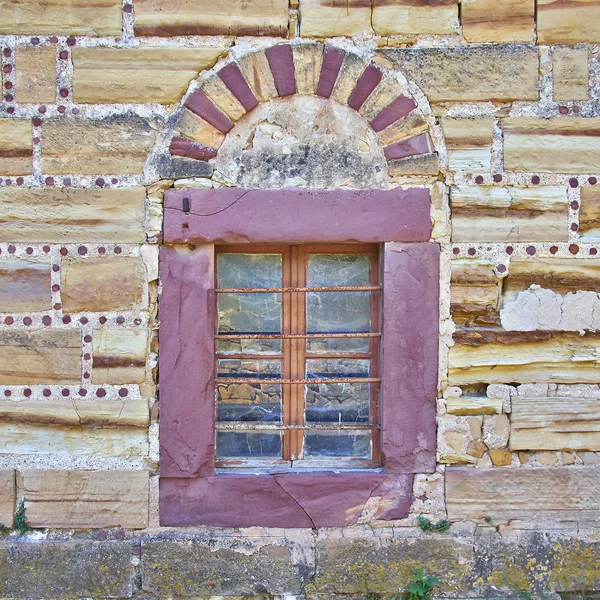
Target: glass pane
<point x="338" y="312"/>
<point x="325" y="345"/>
<point x="321" y="368"/>
<point x="249" y="270"/>
<point x="338" y="402"/>
<point x="249" y="402"/>
<point x="248" y="444"/>
<point x="249" y="313"/>
<point x="325" y="270"/>
<point x="248" y="368"/>
<point x="251" y="346"/>
<point x="338" y="444"/>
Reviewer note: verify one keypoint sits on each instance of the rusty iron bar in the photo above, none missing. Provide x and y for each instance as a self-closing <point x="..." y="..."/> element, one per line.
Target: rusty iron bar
<point x="347" y="288"/>
<point x="257" y="425"/>
<point x="228" y="381"/>
<point x="292" y="336"/>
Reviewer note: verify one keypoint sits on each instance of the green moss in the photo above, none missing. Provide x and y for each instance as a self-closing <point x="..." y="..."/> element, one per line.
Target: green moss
<point x="426" y="525"/>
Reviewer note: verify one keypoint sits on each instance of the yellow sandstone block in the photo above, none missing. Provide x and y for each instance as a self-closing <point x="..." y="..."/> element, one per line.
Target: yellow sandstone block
<point x="16" y="147"/>
<point x="35" y="74"/>
<point x="497" y="20"/>
<point x="119" y="356"/>
<point x="573" y="22"/>
<point x="24" y="285"/>
<point x="396" y="17"/>
<point x="570" y="73"/>
<point x="328" y="18"/>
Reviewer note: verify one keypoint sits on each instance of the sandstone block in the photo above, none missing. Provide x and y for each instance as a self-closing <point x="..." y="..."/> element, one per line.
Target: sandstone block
<point x="426" y="164"/>
<point x="498" y="20"/>
<point x="115" y="75"/>
<point x="119" y="356"/>
<point x="471" y="405"/>
<point x="102" y="284"/>
<point x="589" y="213"/>
<point x="195" y="127"/>
<point x="501" y="458"/>
<point x="509" y="214"/>
<point x="7" y="497"/>
<point x="405" y="17"/>
<point x="408" y="126"/>
<point x="257" y="73"/>
<point x="35" y="74"/>
<point x="471" y="74"/>
<point x="568" y="23"/>
<point x="72" y="215"/>
<point x="115" y="145"/>
<point x="496" y="430"/>
<point x="469" y="142"/>
<point x="16" y="147"/>
<point x="40" y="356"/>
<point x="352" y="68"/>
<point x="85" y="499"/>
<point x="474" y="289"/>
<point x="558" y="494"/>
<point x="203" y="17"/>
<point x="555" y="423"/>
<point x="570" y="74"/>
<point x="497" y="356"/>
<point x="327" y="18"/>
<point x="99" y="413"/>
<point x="308" y="59"/>
<point x="68" y="17"/>
<point x="60" y="440"/>
<point x="24" y="286"/>
<point x="558" y="145"/>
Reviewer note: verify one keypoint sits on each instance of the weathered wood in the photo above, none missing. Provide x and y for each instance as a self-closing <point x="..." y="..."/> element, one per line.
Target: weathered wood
<point x="40" y="356"/>
<point x="469" y="142"/>
<point x="119" y="356"/>
<point x="554" y="423"/>
<point x="32" y="438"/>
<point x="72" y="215"/>
<point x="558" y="494"/>
<point x="102" y="284"/>
<point x="25" y="285"/>
<point x="497" y="356"/>
<point x="85" y="499"/>
<point x="137" y="74"/>
<point x="126" y="413"/>
<point x="558" y="145"/>
<point x="7" y="497"/>
<point x="503" y="214"/>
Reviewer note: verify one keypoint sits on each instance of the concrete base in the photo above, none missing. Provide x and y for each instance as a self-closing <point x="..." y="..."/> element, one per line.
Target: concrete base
<point x="334" y="563"/>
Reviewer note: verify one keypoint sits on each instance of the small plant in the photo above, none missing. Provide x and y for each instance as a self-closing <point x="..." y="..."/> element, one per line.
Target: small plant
<point x="426" y="525"/>
<point x="21" y="524"/>
<point x="489" y="520"/>
<point x="419" y="589"/>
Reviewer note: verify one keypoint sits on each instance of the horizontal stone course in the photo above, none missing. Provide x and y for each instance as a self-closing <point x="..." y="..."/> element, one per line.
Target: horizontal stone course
<point x="16" y="147"/>
<point x="85" y="499"/>
<point x="119" y="356"/>
<point x="102" y="284"/>
<point x="68" y="17"/>
<point x="471" y="74"/>
<point x="25" y="285"/>
<point x="72" y="215"/>
<point x="568" y="22"/>
<point x="469" y="143"/>
<point x="143" y="75"/>
<point x="498" y="20"/>
<point x="41" y="356"/>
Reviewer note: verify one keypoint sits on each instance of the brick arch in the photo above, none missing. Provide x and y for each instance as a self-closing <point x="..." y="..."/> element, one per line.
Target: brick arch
<point x="226" y="95"/>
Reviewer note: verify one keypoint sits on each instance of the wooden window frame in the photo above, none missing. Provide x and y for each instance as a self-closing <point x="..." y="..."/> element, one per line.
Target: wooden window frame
<point x="294" y="356"/>
<point x="192" y="491"/>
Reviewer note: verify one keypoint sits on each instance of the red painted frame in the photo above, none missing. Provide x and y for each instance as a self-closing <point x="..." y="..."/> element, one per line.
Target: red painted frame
<point x="191" y="492"/>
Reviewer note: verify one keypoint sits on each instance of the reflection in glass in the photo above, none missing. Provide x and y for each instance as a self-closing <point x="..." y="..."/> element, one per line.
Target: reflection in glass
<point x="248" y="270"/>
<point x="338" y="312"/>
<point x="325" y="345"/>
<point x="249" y="346"/>
<point x="339" y="444"/>
<point x="322" y="368"/>
<point x="326" y="270"/>
<point x="338" y="402"/>
<point x="248" y="444"/>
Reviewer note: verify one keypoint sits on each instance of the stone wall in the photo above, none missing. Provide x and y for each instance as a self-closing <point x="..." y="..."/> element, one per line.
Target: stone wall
<point x="494" y="107"/>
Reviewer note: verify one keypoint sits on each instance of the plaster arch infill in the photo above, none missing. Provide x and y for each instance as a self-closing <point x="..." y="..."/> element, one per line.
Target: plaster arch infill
<point x="232" y="91"/>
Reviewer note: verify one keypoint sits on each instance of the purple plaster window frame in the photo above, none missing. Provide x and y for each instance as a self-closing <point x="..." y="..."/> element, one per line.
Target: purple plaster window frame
<point x="191" y="491"/>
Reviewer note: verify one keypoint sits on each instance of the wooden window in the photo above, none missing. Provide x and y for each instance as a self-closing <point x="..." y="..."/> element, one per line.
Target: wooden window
<point x="297" y="346"/>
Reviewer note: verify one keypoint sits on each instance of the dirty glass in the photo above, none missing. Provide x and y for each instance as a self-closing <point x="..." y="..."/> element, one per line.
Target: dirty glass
<point x="249" y="312"/>
<point x="248" y="401"/>
<point x="338" y="444"/>
<point x="248" y="444"/>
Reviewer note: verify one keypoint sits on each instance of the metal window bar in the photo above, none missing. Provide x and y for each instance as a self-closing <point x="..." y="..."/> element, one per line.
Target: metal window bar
<point x="345" y="288"/>
<point x="227" y="381"/>
<point x="258" y="426"/>
<point x="291" y="336"/>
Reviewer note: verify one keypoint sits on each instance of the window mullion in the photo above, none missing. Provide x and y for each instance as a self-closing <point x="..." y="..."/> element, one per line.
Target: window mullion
<point x="286" y="390"/>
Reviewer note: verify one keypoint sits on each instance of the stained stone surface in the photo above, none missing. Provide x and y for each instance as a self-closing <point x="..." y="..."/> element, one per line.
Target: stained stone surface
<point x="303" y="141"/>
